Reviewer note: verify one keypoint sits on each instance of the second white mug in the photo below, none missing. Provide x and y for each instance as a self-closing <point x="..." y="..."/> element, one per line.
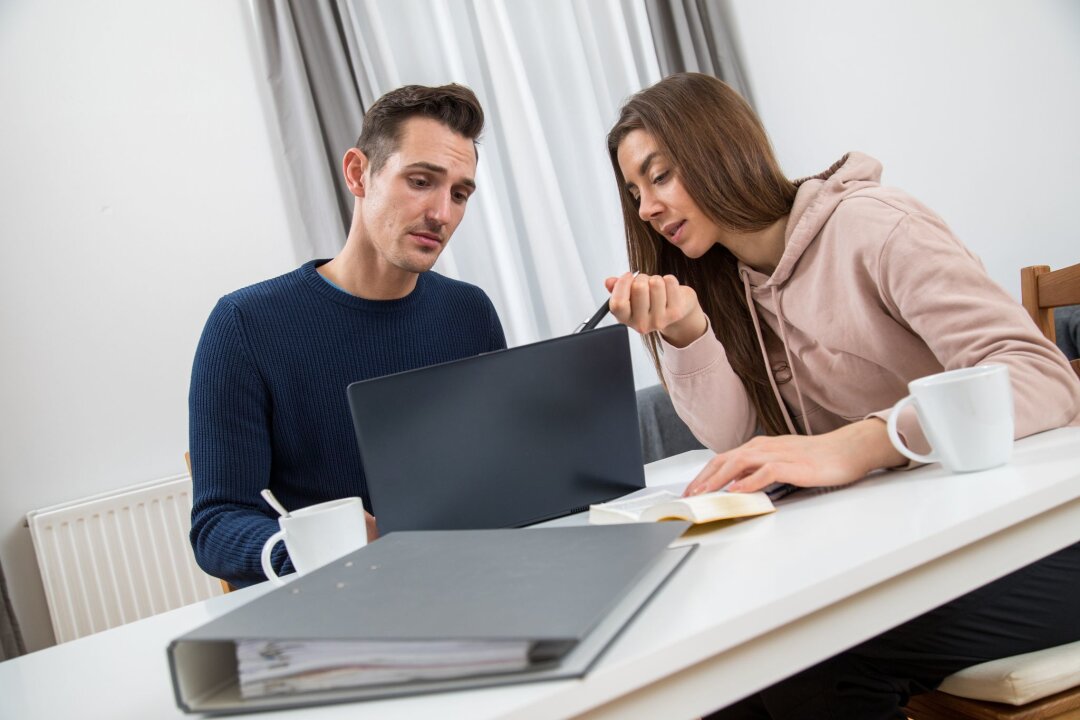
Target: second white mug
<point x="966" y="415"/>
<point x="317" y="535"/>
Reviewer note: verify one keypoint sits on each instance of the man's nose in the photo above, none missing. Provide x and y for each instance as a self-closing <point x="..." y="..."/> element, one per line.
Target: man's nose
<point x="441" y="209"/>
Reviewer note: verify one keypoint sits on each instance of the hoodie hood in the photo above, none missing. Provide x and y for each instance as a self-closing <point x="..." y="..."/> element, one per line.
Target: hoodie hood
<point x="817" y="198"/>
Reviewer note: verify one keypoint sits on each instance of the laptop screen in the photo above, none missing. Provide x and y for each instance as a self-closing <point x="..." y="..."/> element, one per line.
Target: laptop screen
<point x="504" y="439"/>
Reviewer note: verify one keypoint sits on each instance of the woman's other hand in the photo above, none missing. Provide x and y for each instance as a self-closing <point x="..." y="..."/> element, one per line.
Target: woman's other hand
<point x="654" y="303"/>
<point x="835" y="458"/>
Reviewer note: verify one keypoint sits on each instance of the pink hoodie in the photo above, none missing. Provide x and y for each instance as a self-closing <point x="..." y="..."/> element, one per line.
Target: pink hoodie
<point x="872" y="291"/>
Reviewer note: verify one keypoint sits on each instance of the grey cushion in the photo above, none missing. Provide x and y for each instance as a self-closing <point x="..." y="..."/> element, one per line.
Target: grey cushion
<point x="1067" y="329"/>
<point x="663" y="433"/>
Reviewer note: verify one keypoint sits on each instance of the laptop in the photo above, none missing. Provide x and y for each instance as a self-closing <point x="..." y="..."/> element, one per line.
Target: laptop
<point x="504" y="439"/>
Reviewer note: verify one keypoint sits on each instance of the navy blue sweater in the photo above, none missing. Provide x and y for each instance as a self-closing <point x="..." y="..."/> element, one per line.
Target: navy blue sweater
<point x="268" y="406"/>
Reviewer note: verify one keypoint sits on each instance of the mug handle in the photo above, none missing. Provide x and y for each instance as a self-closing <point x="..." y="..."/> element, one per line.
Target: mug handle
<point x="894" y="435"/>
<point x="267" y="567"/>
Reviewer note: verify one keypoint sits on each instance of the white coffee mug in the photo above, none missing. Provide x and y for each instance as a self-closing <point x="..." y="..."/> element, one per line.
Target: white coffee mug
<point x="966" y="415"/>
<point x="317" y="535"/>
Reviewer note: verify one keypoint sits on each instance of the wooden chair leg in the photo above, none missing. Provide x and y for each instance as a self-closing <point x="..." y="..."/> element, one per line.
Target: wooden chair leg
<point x="937" y="705"/>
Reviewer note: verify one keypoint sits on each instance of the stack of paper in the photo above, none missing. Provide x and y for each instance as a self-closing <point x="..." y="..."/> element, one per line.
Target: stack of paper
<point x="275" y="667"/>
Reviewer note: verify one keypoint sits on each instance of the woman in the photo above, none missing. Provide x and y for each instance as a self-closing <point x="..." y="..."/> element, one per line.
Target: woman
<point x="802" y="310"/>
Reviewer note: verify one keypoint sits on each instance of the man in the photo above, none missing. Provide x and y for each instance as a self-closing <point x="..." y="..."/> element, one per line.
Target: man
<point x="268" y="406"/>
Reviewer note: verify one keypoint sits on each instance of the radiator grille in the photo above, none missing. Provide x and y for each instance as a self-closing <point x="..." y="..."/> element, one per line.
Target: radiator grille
<point x="113" y="558"/>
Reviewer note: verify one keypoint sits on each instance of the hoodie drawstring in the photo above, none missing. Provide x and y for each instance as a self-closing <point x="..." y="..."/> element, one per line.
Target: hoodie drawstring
<point x="765" y="355"/>
<point x="791" y="365"/>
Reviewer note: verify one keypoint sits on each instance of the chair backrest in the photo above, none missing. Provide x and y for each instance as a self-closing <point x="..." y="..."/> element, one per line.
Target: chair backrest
<point x="1043" y="289"/>
<point x="224" y="585"/>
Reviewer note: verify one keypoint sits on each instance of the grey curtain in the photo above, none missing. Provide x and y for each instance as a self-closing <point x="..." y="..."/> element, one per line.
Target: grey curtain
<point x="697" y="36"/>
<point x="310" y="63"/>
<point x="11" y="642"/>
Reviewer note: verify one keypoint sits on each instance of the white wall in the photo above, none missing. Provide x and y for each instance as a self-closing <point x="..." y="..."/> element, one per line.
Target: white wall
<point x="973" y="106"/>
<point x="138" y="186"/>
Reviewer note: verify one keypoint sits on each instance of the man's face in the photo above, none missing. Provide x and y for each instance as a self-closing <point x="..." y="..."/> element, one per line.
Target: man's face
<point x="413" y="203"/>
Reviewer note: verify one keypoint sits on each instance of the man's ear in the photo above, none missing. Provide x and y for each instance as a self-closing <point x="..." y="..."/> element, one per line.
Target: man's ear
<point x="353" y="166"/>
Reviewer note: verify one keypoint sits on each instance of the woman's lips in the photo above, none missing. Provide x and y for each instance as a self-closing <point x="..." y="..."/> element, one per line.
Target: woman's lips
<point x="675" y="231"/>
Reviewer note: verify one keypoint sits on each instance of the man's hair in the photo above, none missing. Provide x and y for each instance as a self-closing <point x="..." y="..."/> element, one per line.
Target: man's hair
<point x="455" y="106"/>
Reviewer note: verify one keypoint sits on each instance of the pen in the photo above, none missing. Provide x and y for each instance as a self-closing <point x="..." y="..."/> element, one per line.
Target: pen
<point x="592" y="322"/>
<point x="779" y="490"/>
<point x="597" y="316"/>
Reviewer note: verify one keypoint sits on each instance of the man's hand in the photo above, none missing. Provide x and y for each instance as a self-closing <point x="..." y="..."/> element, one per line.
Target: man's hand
<point x="836" y="458"/>
<point x="372" y="529"/>
<point x="654" y="303"/>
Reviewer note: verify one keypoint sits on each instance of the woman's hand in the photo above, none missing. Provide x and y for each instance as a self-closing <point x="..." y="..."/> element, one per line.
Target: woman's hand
<point x="836" y="458"/>
<point x="654" y="303"/>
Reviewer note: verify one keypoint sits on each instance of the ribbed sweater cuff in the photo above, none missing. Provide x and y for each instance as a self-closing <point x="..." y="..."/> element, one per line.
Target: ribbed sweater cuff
<point x="696" y="357"/>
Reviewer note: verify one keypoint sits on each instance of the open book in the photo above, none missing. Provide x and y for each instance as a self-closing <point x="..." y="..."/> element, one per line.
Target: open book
<point x="665" y="505"/>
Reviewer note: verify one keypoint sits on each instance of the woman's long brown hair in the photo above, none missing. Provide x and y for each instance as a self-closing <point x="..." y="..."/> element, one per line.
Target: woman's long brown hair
<point x="722" y="156"/>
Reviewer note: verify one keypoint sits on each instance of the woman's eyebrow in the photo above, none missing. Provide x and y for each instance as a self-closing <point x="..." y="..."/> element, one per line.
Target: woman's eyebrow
<point x="647" y="162"/>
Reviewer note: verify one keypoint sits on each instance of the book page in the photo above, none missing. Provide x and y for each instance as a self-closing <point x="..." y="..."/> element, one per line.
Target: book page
<point x="628" y="508"/>
<point x="636" y="503"/>
<point x="719" y="505"/>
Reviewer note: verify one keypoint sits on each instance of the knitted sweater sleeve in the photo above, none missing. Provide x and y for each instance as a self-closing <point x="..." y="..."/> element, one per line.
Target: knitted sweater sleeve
<point x="707" y="394"/>
<point x="497" y="340"/>
<point x="941" y="291"/>
<point x="229" y="427"/>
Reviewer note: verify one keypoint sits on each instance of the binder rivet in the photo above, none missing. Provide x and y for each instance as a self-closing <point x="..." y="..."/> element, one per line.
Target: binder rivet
<point x="374" y="567"/>
<point x="348" y="564"/>
<point x="340" y="585"/>
<point x="296" y="591"/>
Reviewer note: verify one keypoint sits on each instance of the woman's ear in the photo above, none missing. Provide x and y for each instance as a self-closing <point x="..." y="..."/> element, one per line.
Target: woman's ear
<point x="353" y="167"/>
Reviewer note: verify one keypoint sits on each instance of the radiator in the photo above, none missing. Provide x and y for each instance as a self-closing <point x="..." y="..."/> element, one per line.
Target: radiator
<point x="116" y="557"/>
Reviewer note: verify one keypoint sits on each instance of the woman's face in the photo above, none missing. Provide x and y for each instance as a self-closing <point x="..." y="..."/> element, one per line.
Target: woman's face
<point x="663" y="202"/>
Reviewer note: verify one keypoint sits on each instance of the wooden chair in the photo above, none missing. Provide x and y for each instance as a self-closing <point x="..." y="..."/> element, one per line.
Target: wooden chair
<point x="1013" y="688"/>
<point x="1032" y="686"/>
<point x="940" y="705"/>
<point x="224" y="585"/>
<point x="1043" y="289"/>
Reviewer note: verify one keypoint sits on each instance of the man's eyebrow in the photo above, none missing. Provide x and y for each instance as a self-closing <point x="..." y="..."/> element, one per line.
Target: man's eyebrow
<point x="440" y="170"/>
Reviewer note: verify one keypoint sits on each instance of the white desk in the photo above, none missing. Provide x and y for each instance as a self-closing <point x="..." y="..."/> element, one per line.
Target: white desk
<point x="759" y="600"/>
